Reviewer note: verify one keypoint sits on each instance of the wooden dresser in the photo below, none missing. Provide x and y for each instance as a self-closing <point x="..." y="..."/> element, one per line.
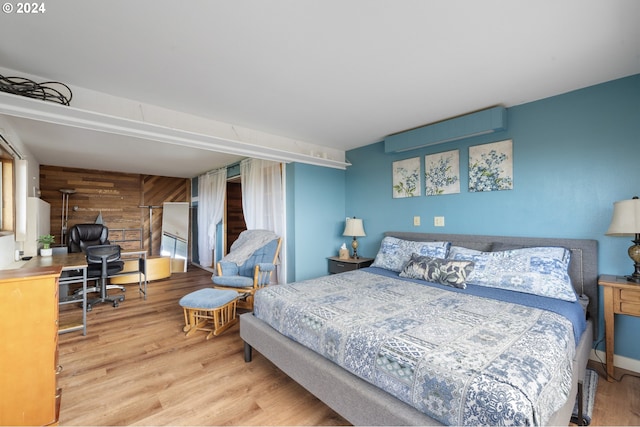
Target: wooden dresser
<point x="29" y="346"/>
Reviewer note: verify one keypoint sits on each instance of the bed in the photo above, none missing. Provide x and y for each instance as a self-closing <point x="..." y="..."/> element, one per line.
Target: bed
<point x="391" y="390"/>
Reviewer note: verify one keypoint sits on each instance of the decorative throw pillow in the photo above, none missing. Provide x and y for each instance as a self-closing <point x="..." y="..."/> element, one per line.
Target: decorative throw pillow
<point x="438" y="270"/>
<point x="394" y="253"/>
<point x="540" y="270"/>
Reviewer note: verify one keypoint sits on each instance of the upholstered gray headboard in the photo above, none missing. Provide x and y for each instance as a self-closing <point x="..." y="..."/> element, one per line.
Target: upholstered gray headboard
<point x="583" y="268"/>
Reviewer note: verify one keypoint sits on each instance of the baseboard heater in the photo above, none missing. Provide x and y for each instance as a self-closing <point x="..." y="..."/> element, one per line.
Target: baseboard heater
<point x="474" y="124"/>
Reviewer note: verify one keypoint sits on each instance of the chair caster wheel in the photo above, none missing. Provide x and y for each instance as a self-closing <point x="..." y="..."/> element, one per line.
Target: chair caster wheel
<point x="121" y="299"/>
<point x="115" y="304"/>
<point x="89" y="308"/>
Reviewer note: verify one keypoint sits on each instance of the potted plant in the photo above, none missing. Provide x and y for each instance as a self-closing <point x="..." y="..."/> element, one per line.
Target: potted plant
<point x="46" y="241"/>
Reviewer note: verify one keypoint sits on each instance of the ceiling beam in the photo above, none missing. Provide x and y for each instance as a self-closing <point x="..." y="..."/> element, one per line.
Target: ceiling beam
<point x="50" y="112"/>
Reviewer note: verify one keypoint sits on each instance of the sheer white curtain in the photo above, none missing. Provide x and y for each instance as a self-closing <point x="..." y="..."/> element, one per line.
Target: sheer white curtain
<point x="212" y="187"/>
<point x="262" y="196"/>
<point x="262" y="199"/>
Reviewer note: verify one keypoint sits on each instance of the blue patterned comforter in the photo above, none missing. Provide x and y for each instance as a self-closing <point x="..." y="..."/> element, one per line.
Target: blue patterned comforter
<point x="462" y="359"/>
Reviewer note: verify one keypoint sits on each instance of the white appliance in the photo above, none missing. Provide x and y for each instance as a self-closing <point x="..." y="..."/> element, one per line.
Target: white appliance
<point x="38" y="224"/>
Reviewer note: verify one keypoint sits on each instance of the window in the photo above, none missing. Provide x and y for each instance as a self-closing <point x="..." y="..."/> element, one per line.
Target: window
<point x="7" y="199"/>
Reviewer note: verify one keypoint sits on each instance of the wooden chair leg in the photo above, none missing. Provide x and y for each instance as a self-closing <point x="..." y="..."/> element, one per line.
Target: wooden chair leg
<point x="215" y="321"/>
<point x="223" y="328"/>
<point x="188" y="320"/>
<point x="223" y="318"/>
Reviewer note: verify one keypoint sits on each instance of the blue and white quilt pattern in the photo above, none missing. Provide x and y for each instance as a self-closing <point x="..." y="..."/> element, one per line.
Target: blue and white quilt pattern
<point x="459" y="358"/>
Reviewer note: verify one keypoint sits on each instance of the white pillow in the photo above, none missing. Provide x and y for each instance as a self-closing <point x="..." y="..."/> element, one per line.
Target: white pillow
<point x="540" y="271"/>
<point x="394" y="253"/>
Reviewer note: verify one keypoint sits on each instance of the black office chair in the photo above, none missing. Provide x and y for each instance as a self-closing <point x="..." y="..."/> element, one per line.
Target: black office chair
<point x="103" y="261"/>
<point x="83" y="235"/>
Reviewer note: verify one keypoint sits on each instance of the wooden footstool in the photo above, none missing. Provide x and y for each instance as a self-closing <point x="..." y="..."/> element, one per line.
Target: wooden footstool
<point x="208" y="309"/>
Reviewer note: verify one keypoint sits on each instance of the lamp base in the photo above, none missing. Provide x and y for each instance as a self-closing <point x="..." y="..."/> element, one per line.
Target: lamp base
<point x="354" y="245"/>
<point x="634" y="254"/>
<point x="632" y="278"/>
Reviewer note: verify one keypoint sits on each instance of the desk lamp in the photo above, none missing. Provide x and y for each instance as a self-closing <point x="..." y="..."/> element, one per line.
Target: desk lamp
<point x="626" y="222"/>
<point x="353" y="227"/>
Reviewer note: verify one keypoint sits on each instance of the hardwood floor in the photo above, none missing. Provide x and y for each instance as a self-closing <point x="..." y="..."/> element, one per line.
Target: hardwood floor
<point x="136" y="367"/>
<point x="617" y="403"/>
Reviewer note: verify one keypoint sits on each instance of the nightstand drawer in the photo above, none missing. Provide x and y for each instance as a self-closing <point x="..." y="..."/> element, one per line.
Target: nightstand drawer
<point x="628" y="301"/>
<point x="630" y="295"/>
<point x="340" y="267"/>
<point x="337" y="265"/>
<point x="630" y="308"/>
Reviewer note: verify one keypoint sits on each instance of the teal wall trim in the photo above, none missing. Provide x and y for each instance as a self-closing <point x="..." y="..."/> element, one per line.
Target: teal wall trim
<point x="482" y="122"/>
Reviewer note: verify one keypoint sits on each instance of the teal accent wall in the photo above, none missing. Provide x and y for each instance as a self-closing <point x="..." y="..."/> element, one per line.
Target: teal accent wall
<point x="573" y="156"/>
<point x="315" y="219"/>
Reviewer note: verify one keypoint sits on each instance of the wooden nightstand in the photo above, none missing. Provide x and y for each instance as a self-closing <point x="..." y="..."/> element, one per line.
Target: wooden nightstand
<point x="620" y="297"/>
<point x="337" y="265"/>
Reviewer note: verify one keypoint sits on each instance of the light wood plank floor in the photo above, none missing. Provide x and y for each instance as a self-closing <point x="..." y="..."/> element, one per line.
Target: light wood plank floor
<point x="136" y="367"/>
<point x="617" y="403"/>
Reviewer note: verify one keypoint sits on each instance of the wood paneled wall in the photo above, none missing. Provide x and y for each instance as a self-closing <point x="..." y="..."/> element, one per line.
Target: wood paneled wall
<point x="117" y="196"/>
<point x="234" y="218"/>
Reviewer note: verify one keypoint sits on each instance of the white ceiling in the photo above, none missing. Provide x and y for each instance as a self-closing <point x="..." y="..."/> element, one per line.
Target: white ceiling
<point x="336" y="73"/>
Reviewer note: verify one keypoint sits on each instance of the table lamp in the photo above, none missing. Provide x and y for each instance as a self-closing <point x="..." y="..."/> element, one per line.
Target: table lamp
<point x="626" y="222"/>
<point x="353" y="227"/>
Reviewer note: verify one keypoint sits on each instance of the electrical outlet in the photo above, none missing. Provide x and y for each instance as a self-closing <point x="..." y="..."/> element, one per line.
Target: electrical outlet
<point x="438" y="221"/>
<point x="416" y="221"/>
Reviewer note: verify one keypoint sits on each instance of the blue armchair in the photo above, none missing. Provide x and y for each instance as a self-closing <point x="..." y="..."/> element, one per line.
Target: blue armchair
<point x="249" y="265"/>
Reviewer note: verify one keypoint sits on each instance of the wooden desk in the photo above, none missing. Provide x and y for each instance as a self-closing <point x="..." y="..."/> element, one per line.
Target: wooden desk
<point x="141" y="256"/>
<point x="620" y="297"/>
<point x="76" y="262"/>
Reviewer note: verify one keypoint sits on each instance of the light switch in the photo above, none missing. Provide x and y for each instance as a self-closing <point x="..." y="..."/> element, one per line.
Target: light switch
<point x="416" y="221"/>
<point x="438" y="221"/>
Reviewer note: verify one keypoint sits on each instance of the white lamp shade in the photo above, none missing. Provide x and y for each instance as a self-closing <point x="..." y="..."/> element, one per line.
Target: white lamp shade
<point x="626" y="218"/>
<point x="354" y="227"/>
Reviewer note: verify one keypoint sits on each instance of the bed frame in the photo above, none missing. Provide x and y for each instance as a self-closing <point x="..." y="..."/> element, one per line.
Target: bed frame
<point x="361" y="403"/>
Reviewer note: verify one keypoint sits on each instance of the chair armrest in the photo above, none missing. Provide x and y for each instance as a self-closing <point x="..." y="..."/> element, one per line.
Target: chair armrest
<point x="266" y="266"/>
<point x="228" y="268"/>
<point x="262" y="275"/>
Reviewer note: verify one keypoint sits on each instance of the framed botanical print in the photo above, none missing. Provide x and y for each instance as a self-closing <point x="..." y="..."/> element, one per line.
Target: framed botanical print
<point x="406" y="178"/>
<point x="442" y="173"/>
<point x="491" y="166"/>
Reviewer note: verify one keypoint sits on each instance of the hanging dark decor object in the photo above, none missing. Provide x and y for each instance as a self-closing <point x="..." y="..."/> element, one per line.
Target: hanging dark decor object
<point x="46" y="91"/>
